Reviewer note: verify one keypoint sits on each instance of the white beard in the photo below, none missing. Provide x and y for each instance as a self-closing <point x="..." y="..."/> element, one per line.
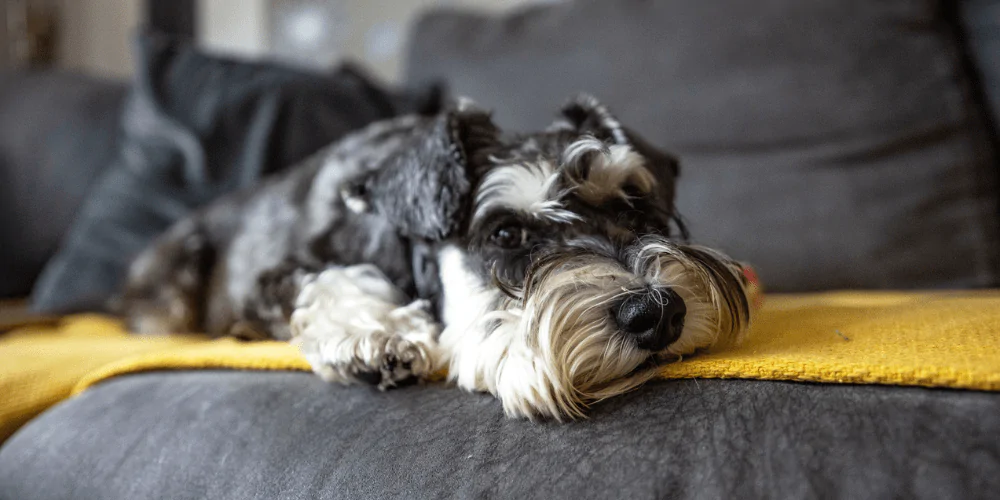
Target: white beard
<point x="558" y="349"/>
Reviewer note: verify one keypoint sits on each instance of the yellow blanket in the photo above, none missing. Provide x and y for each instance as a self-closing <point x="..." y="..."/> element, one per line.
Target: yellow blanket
<point x="933" y="339"/>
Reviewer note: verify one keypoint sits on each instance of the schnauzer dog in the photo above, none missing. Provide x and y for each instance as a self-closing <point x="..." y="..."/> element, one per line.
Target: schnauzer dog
<point x="547" y="269"/>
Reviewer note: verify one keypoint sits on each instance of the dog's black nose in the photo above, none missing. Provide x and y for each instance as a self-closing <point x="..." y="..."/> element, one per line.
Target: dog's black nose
<point x="653" y="317"/>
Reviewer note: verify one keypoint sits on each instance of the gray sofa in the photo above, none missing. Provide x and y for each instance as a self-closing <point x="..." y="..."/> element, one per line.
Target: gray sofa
<point x="236" y="435"/>
<point x="833" y="143"/>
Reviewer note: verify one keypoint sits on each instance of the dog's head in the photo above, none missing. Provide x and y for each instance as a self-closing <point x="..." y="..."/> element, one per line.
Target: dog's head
<point x="563" y="272"/>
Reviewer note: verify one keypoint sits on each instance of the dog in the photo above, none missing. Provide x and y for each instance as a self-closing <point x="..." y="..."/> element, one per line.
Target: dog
<point x="549" y="269"/>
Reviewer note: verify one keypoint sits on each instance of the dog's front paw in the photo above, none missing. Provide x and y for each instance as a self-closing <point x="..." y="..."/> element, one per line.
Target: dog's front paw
<point x="390" y="351"/>
<point x="400" y="363"/>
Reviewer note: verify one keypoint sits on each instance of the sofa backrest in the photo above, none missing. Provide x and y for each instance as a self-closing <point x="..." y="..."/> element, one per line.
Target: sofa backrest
<point x="58" y="132"/>
<point x="831" y="143"/>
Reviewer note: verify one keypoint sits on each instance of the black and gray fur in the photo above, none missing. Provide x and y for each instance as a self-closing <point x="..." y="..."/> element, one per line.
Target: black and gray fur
<point x="466" y="221"/>
<point x="230" y="268"/>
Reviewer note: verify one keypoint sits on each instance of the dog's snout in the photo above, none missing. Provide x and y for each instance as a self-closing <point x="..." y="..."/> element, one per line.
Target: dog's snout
<point x="654" y="317"/>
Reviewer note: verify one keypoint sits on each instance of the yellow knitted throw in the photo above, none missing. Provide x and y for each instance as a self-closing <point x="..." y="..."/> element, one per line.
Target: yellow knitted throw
<point x="932" y="339"/>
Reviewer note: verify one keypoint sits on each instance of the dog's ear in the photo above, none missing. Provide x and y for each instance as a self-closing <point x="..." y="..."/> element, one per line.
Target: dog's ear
<point x="584" y="114"/>
<point x="424" y="187"/>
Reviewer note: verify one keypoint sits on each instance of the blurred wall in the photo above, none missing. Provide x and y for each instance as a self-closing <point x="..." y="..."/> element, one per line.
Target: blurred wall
<point x="320" y="33"/>
<point x="377" y="30"/>
<point x="94" y="35"/>
<point x="237" y="27"/>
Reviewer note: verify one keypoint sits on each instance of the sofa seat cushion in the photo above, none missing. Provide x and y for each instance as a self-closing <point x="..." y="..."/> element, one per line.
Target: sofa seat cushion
<point x="250" y="435"/>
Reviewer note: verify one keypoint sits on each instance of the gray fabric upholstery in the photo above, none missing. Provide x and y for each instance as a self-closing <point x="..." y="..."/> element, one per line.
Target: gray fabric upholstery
<point x="831" y="143"/>
<point x="982" y="27"/>
<point x="58" y="132"/>
<point x="250" y="435"/>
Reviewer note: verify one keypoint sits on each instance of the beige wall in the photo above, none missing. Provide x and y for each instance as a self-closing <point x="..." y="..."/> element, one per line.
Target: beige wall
<point x="95" y="35"/>
<point x="374" y="31"/>
<point x="234" y="27"/>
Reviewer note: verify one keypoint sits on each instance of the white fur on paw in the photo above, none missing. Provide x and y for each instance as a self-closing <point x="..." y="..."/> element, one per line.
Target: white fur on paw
<point x="382" y="359"/>
<point x="350" y="331"/>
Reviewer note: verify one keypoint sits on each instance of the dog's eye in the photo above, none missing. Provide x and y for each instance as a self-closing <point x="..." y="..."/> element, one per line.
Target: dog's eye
<point x="509" y="236"/>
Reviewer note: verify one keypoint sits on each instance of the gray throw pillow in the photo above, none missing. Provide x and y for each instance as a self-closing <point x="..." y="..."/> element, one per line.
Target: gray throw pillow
<point x="196" y="127"/>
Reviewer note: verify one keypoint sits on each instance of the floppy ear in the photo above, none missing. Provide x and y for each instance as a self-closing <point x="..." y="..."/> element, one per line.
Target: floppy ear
<point x="584" y="114"/>
<point x="424" y="188"/>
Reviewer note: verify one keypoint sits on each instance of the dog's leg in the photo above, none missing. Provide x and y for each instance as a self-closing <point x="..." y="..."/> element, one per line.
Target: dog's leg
<point x="267" y="311"/>
<point x="166" y="286"/>
<point x="352" y="326"/>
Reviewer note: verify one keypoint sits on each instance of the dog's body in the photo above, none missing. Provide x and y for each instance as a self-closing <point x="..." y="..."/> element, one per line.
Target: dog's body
<point x="546" y="258"/>
<point x="230" y="268"/>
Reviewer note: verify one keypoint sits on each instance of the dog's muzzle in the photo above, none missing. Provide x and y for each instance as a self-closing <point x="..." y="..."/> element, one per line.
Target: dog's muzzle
<point x="592" y="321"/>
<point x="653" y="317"/>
